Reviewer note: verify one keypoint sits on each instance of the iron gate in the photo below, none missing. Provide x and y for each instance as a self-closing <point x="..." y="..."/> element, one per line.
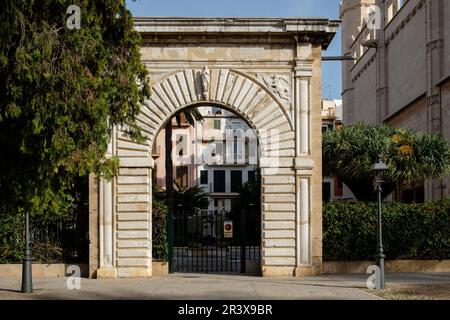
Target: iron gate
<point x="203" y="242"/>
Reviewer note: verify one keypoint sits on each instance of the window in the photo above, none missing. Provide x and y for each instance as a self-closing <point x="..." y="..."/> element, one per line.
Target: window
<point x="219" y="180"/>
<point x="217" y="124"/>
<point x="216" y="110"/>
<point x="251" y="176"/>
<point x="203" y="177"/>
<point x="247" y="150"/>
<point x="239" y="154"/>
<point x="391" y="10"/>
<point x="326" y="194"/>
<point x="182" y="176"/>
<point x="181" y="144"/>
<point x="235" y="150"/>
<point x="219" y="150"/>
<point x="338" y="187"/>
<point x="236" y="125"/>
<point x="236" y="180"/>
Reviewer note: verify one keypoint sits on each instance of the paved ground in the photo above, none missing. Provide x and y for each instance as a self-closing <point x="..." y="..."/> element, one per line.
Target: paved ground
<point x="222" y="287"/>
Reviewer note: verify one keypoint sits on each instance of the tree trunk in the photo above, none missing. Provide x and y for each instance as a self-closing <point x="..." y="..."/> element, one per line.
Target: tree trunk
<point x="169" y="166"/>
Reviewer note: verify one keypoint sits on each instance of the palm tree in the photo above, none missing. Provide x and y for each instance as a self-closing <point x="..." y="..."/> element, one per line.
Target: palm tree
<point x="191" y="115"/>
<point x="411" y="157"/>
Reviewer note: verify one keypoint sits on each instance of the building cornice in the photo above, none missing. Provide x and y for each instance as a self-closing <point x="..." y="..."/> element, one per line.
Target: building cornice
<point x="315" y="30"/>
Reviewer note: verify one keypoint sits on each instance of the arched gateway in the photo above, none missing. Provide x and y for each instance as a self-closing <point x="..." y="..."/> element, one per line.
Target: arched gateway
<point x="268" y="71"/>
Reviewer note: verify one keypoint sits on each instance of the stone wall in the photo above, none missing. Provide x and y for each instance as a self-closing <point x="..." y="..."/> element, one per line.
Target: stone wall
<point x="406" y="62"/>
<point x="403" y="81"/>
<point x="446" y="35"/>
<point x="365" y="92"/>
<point x="413" y="117"/>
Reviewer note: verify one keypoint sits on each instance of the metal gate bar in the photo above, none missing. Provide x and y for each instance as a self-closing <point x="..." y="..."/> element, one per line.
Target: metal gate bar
<point x="201" y="246"/>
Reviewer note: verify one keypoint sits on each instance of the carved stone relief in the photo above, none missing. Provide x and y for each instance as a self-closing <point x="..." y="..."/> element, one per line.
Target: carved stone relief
<point x="279" y="85"/>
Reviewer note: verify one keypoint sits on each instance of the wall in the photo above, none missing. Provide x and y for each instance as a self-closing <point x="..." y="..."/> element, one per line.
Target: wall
<point x="316" y="178"/>
<point x="413" y="117"/>
<point x="446" y="127"/>
<point x="59" y="270"/>
<point x="343" y="267"/>
<point x="446" y="36"/>
<point x="365" y="94"/>
<point x="160" y="160"/>
<point x="406" y="60"/>
<point x="352" y="13"/>
<point x="414" y="64"/>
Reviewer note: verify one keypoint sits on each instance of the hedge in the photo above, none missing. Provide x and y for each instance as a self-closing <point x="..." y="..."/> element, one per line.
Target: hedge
<point x="48" y="236"/>
<point x="159" y="226"/>
<point x="410" y="231"/>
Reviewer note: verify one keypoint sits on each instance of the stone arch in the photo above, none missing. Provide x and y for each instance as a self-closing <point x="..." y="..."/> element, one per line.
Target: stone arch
<point x="231" y="89"/>
<point x="129" y="219"/>
<point x="268" y="72"/>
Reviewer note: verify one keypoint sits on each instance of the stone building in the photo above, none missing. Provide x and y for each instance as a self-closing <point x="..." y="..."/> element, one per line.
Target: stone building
<point x="267" y="71"/>
<point x="227" y="153"/>
<point x="204" y="156"/>
<point x="184" y="170"/>
<point x="403" y="78"/>
<point x="332" y="187"/>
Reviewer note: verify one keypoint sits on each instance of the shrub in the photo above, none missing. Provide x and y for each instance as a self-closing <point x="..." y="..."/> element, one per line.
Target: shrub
<point x="410" y="231"/>
<point x="159" y="226"/>
<point x="46" y="238"/>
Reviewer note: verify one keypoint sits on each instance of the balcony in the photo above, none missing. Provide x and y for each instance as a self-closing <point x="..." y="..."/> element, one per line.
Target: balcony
<point x="329" y="114"/>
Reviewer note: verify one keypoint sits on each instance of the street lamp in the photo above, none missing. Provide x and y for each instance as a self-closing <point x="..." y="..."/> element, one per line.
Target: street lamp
<point x="27" y="282"/>
<point x="379" y="167"/>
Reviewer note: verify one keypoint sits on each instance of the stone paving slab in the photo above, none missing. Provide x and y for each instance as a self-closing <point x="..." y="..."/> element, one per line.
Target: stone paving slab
<point x="217" y="287"/>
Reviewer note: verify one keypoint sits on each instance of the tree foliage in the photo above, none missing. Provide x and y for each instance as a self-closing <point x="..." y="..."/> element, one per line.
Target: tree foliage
<point x="350" y="152"/>
<point x="61" y="93"/>
<point x="190" y="199"/>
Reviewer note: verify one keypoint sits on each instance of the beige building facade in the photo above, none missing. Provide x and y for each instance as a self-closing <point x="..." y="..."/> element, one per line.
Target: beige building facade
<point x="404" y="81"/>
<point x="267" y="71"/>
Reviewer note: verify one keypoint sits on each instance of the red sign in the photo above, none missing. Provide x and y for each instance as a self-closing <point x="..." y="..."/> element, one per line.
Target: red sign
<point x="228" y="229"/>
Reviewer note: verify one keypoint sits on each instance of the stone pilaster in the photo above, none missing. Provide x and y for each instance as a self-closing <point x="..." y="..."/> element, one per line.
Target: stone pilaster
<point x="435" y="53"/>
<point x="107" y="268"/>
<point x="303" y="163"/>
<point x="94" y="245"/>
<point x="106" y="212"/>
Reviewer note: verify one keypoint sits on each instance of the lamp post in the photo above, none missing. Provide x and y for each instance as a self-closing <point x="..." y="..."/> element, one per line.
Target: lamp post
<point x="27" y="281"/>
<point x="379" y="168"/>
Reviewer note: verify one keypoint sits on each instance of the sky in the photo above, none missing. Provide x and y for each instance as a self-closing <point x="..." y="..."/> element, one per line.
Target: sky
<point x="255" y="8"/>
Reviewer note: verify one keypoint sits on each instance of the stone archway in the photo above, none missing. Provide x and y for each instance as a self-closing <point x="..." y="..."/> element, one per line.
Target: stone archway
<point x="277" y="93"/>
